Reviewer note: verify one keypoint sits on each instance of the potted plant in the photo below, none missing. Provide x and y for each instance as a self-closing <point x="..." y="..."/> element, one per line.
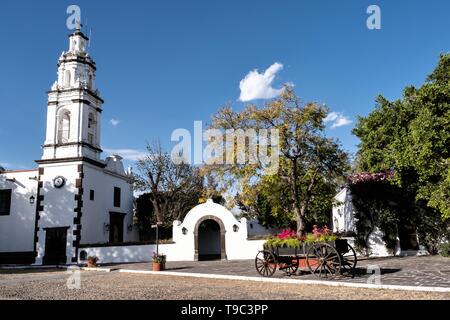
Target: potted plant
<point x="92" y="261"/>
<point x="159" y="262"/>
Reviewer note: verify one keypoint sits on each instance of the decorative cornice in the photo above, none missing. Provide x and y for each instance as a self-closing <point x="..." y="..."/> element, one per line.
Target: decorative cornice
<point x="88" y="103"/>
<point x="77" y="90"/>
<point x="78" y="60"/>
<point x="74" y="159"/>
<point x="69" y="144"/>
<point x="79" y="33"/>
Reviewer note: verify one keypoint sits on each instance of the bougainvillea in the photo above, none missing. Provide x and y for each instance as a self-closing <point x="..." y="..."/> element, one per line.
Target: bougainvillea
<point x="287" y="233"/>
<point x="370" y="177"/>
<point x="289" y="238"/>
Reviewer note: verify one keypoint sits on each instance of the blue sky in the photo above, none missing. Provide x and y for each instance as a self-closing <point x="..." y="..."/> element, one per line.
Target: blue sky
<point x="164" y="64"/>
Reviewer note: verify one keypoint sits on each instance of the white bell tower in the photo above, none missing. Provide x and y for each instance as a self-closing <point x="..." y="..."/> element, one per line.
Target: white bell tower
<point x="74" y="106"/>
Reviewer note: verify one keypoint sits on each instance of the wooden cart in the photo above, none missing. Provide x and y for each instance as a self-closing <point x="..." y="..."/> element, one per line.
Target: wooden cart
<point x="323" y="259"/>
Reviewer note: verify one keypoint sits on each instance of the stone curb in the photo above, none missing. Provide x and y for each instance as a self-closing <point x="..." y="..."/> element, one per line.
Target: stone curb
<point x="97" y="269"/>
<point x="289" y="281"/>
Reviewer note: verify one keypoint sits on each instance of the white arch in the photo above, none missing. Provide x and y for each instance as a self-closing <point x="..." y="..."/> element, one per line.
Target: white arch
<point x="235" y="230"/>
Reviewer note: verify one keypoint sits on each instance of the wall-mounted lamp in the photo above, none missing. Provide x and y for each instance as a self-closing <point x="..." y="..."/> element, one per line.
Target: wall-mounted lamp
<point x="32" y="199"/>
<point x="235" y="228"/>
<point x="184" y="231"/>
<point x="106" y="227"/>
<point x="130" y="228"/>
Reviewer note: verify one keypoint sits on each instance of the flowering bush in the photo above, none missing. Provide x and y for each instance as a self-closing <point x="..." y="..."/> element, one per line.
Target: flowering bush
<point x="370" y="177"/>
<point x="287" y="233"/>
<point x="289" y="239"/>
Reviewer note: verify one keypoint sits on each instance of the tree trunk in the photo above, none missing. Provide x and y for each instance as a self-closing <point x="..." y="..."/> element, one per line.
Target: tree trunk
<point x="300" y="221"/>
<point x="296" y="201"/>
<point x="158" y="213"/>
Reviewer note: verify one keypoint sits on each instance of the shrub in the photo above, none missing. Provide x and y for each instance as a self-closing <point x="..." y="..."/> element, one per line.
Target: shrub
<point x="444" y="249"/>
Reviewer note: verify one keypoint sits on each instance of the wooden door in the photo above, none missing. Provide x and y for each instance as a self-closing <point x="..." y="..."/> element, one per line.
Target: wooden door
<point x="55" y="246"/>
<point x="116" y="227"/>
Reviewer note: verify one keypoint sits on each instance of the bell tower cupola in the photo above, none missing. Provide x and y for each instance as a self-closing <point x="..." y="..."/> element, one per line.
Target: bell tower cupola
<point x="74" y="105"/>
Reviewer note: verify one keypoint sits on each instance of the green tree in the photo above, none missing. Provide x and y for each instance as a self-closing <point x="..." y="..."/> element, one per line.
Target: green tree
<point x="308" y="159"/>
<point x="412" y="137"/>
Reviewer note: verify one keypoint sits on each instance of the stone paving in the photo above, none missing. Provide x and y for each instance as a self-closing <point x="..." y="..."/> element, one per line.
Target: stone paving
<point x="425" y="271"/>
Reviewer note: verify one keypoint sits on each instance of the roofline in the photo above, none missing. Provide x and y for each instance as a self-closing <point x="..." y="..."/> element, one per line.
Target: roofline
<point x="18" y="171"/>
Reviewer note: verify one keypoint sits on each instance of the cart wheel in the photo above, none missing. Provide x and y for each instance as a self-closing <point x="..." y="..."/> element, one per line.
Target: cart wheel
<point x="349" y="260"/>
<point x="323" y="260"/>
<point x="292" y="267"/>
<point x="265" y="263"/>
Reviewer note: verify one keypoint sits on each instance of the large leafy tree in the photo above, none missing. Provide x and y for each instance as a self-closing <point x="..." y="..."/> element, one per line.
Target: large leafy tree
<point x="412" y="137"/>
<point x="309" y="162"/>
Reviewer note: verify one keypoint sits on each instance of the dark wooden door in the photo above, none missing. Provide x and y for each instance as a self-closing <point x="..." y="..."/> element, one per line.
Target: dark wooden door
<point x="116" y="227"/>
<point x="55" y="246"/>
<point x="408" y="237"/>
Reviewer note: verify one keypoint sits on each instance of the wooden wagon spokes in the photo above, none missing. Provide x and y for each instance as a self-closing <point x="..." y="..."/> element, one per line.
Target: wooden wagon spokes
<point x="265" y="263"/>
<point x="349" y="259"/>
<point x="323" y="260"/>
<point x="289" y="264"/>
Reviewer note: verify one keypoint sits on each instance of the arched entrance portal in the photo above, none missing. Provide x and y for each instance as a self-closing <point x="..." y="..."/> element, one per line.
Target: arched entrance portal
<point x="209" y="237"/>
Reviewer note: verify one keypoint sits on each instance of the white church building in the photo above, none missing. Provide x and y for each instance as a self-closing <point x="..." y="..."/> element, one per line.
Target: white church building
<point x="73" y="197"/>
<point x="76" y="205"/>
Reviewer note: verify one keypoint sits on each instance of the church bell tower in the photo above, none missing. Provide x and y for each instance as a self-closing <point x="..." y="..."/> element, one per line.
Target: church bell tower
<point x="74" y="106"/>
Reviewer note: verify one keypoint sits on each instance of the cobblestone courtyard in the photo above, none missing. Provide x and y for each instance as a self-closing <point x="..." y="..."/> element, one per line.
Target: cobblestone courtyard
<point x="52" y="285"/>
<point x="429" y="271"/>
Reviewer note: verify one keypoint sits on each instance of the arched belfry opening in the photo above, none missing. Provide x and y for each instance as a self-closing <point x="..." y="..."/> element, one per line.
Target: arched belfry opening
<point x="67" y="79"/>
<point x="209" y="238"/>
<point x="64" y="127"/>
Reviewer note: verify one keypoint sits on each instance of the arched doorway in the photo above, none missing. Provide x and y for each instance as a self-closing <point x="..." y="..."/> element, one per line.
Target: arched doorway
<point x="209" y="237"/>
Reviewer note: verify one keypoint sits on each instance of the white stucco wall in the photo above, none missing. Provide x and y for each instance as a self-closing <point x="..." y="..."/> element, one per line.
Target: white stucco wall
<point x="17" y="229"/>
<point x="144" y="253"/>
<point x="97" y="213"/>
<point x="343" y="214"/>
<point x="59" y="205"/>
<point x="255" y="229"/>
<point x="237" y="246"/>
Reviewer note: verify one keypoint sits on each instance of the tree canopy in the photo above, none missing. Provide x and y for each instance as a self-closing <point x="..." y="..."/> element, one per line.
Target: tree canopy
<point x="309" y="163"/>
<point x="411" y="136"/>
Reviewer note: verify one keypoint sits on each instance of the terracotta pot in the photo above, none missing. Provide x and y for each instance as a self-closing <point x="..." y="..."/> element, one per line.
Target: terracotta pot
<point x="156" y="266"/>
<point x="91" y="264"/>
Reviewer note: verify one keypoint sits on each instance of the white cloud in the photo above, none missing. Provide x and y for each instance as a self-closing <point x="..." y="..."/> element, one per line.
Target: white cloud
<point x="127" y="154"/>
<point x="114" y="122"/>
<point x="257" y="85"/>
<point x="337" y="120"/>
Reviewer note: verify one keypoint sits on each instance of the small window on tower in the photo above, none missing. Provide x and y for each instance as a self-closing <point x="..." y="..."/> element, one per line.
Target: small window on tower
<point x="67" y="79"/>
<point x="91" y="120"/>
<point x="90" y="138"/>
<point x="116" y="197"/>
<point x="92" y="195"/>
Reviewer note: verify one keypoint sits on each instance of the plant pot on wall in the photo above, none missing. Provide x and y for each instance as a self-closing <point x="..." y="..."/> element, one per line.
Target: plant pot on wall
<point x="159" y="262"/>
<point x="92" y="262"/>
<point x="157" y="266"/>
